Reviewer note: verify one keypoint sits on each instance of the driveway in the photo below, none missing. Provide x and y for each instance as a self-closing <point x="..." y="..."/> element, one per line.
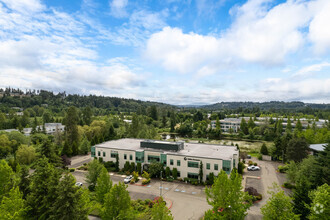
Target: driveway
<point x="262" y="180"/>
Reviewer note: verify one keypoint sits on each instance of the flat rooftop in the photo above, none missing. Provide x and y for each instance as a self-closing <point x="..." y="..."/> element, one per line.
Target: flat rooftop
<point x="211" y="151"/>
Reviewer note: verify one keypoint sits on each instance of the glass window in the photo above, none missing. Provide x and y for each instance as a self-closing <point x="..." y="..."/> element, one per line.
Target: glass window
<point x="152" y="158"/>
<point x="192" y="164"/>
<point x="103" y="154"/>
<point x="178" y="163"/>
<point x="179" y="174"/>
<point x="99" y="153"/>
<point x="113" y="155"/>
<point x="193" y="175"/>
<point x="226" y="166"/>
<point x="171" y="162"/>
<point x="130" y="157"/>
<point x="125" y="156"/>
<point x="216" y="167"/>
<point x="208" y="166"/>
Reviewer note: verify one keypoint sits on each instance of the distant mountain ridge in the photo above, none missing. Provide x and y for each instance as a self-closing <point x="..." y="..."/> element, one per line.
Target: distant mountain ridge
<point x="261" y="105"/>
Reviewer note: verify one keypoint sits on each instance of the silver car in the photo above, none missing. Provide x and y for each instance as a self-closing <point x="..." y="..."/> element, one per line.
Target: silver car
<point x="79" y="184"/>
<point x="128" y="179"/>
<point x="253" y="168"/>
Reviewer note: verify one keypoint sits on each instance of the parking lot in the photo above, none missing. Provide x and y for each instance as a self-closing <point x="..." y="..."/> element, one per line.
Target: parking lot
<point x="186" y="201"/>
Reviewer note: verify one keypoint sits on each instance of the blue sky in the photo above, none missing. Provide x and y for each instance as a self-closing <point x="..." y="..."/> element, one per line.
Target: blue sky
<point x="177" y="52"/>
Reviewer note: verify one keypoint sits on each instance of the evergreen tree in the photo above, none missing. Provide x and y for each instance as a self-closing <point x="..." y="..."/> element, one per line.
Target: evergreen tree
<point x="154" y="112"/>
<point x="172" y="121"/>
<point x="117" y="163"/>
<point x="44" y="182"/>
<point x="24" y="181"/>
<point x="175" y="173"/>
<point x="201" y="172"/>
<point x="251" y="123"/>
<point x="71" y="202"/>
<point x="167" y="172"/>
<point x="244" y="127"/>
<point x="299" y="126"/>
<point x="264" y="149"/>
<point x="139" y="168"/>
<point x="288" y="125"/>
<point x="71" y="120"/>
<point x="297" y="149"/>
<point x="87" y="115"/>
<point x="301" y="199"/>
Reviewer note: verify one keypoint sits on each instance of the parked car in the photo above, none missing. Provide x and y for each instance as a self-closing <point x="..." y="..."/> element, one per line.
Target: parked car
<point x="79" y="184"/>
<point x="253" y="168"/>
<point x="248" y="157"/>
<point x="128" y="179"/>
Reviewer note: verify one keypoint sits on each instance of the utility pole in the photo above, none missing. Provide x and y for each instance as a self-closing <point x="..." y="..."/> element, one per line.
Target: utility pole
<point x="161" y="185"/>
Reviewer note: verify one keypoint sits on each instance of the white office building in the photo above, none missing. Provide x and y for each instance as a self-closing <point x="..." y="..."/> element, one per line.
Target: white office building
<point x="186" y="157"/>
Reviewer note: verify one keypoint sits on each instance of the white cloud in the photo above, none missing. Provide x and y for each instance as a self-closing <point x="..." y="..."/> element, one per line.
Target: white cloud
<point x="308" y="70"/>
<point x="118" y="8"/>
<point x="43" y="51"/>
<point x="259" y="34"/>
<point x="24" y="6"/>
<point x="319" y="29"/>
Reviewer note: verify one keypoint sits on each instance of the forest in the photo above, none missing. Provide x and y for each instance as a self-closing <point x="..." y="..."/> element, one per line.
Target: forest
<point x="90" y="120"/>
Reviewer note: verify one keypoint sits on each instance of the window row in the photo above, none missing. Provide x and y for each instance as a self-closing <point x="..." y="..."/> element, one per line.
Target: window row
<point x="208" y="166"/>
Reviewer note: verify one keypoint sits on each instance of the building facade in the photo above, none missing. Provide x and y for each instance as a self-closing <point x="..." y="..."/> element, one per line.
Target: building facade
<point x="186" y="157"/>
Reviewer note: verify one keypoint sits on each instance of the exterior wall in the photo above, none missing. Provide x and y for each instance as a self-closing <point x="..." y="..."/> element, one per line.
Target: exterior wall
<point x="183" y="168"/>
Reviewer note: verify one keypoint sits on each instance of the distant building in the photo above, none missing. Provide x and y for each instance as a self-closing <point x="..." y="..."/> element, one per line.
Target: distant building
<point x="186" y="157"/>
<point x="315" y="149"/>
<point x="50" y="128"/>
<point x="233" y="124"/>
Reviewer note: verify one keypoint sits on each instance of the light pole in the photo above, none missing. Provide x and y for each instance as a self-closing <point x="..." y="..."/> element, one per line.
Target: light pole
<point x="160" y="188"/>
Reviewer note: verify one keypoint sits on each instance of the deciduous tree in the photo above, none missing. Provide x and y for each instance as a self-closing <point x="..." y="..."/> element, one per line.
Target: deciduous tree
<point x="227" y="198"/>
<point x="278" y="206"/>
<point x="103" y="185"/>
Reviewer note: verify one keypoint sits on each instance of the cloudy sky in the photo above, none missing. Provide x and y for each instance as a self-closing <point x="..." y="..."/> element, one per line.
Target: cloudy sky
<point x="172" y="51"/>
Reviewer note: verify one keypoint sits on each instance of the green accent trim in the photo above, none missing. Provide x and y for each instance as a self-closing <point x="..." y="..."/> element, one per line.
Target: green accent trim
<point x="163" y="159"/>
<point x="93" y="151"/>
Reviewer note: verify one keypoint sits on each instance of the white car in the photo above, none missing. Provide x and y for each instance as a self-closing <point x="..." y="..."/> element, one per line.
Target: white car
<point x="128" y="179"/>
<point x="79" y="184"/>
<point x="253" y="168"/>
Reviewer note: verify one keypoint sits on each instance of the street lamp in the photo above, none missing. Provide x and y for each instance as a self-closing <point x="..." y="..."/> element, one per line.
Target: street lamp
<point x="160" y="188"/>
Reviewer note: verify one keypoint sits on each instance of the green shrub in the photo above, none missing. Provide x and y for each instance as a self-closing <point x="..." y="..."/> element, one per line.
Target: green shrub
<point x="145" y="181"/>
<point x="259" y="157"/>
<point x="255" y="164"/>
<point x="258" y="197"/>
<point x="250" y="162"/>
<point x="288" y="185"/>
<point x="72" y="170"/>
<point x="282" y="169"/>
<point x="132" y="181"/>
